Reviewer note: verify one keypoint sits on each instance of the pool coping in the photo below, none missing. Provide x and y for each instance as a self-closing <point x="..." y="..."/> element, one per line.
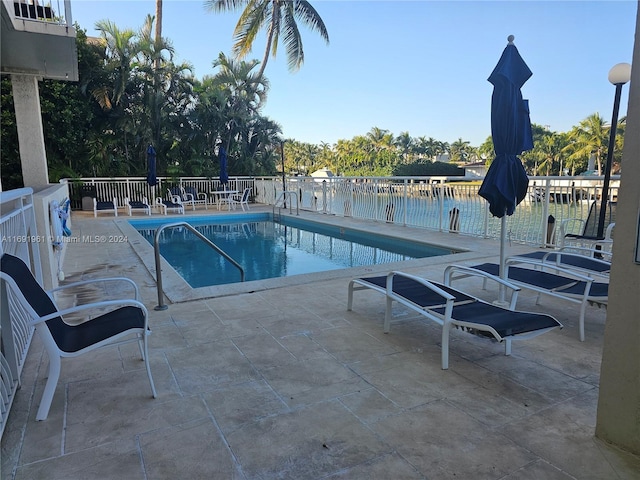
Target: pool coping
<point x="177" y="290"/>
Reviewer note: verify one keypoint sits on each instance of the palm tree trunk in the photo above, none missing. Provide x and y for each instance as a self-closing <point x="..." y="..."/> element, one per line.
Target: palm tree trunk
<point x="158" y="29"/>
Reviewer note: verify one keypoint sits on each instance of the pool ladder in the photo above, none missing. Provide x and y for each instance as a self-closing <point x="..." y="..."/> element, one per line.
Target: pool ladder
<point x="156" y="248"/>
<point x="281" y="202"/>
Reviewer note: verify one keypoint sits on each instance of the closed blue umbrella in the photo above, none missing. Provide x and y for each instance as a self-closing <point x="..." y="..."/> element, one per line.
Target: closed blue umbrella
<point x="151" y="166"/>
<point x="506" y="182"/>
<point x="224" y="176"/>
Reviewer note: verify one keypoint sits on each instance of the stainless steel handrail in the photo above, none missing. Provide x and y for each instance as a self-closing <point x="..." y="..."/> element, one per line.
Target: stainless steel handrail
<point x="156" y="249"/>
<point x="282" y="201"/>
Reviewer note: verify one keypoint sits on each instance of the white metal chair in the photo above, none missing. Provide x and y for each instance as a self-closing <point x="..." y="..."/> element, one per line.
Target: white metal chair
<point x="242" y="200"/>
<point x="126" y="321"/>
<point x="174" y="204"/>
<point x="190" y="196"/>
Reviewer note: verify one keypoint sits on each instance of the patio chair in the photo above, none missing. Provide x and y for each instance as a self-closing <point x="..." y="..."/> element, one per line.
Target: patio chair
<point x="174" y="204"/>
<point x="242" y="200"/>
<point x="571" y="260"/>
<point x="550" y="279"/>
<point x="449" y="308"/>
<point x="125" y="321"/>
<point x="105" y="207"/>
<point x="588" y="228"/>
<point x="138" y="206"/>
<point x="190" y="196"/>
<point x="225" y="197"/>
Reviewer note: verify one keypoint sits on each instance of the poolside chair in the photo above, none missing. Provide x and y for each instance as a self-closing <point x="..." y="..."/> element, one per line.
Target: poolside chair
<point x="571" y="260"/>
<point x="225" y="197"/>
<point x="588" y="229"/>
<point x="174" y="204"/>
<point x="105" y="207"/>
<point x="138" y="206"/>
<point x="548" y="278"/>
<point x="125" y="321"/>
<point x="190" y="196"/>
<point x="242" y="200"/>
<point x="449" y="308"/>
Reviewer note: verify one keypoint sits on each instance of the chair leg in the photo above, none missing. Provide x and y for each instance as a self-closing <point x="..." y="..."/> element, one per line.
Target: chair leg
<point x="145" y="357"/>
<point x="446" y="328"/>
<point x="50" y="387"/>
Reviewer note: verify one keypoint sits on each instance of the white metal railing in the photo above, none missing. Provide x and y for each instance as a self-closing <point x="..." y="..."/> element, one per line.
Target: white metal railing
<point x="445" y="204"/>
<point x="137" y="188"/>
<point x="442" y="203"/>
<point x="19" y="237"/>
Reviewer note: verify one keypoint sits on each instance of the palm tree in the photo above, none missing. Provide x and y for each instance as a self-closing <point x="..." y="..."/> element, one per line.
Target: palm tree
<point x="158" y="28"/>
<point x="278" y="17"/>
<point x="590" y="136"/>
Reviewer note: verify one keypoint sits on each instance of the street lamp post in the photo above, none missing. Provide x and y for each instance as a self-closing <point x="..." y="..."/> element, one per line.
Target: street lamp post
<point x="618" y="76"/>
<point x="284" y="181"/>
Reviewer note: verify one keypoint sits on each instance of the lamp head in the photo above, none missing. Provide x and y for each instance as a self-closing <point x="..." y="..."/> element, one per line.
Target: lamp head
<point x="620" y="73"/>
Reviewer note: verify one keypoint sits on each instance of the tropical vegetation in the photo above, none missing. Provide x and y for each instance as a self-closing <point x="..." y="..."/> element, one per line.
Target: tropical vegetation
<point x="132" y="94"/>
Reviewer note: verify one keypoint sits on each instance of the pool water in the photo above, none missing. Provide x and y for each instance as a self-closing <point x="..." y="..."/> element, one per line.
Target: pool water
<point x="268" y="249"/>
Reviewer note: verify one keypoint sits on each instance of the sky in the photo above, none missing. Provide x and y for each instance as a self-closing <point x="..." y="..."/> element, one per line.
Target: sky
<point x="411" y="66"/>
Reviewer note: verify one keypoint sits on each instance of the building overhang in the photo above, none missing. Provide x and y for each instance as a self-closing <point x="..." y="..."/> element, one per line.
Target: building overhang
<point x="41" y="47"/>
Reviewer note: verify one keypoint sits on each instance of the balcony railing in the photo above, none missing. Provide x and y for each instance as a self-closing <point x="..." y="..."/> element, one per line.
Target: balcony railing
<point x="446" y="204"/>
<point x="58" y="12"/>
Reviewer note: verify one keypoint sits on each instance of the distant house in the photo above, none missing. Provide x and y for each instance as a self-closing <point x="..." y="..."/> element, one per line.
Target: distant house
<point x="477" y="169"/>
<point x="323" y="173"/>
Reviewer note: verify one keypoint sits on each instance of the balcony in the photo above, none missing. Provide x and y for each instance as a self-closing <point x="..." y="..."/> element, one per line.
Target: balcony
<point x="38" y="39"/>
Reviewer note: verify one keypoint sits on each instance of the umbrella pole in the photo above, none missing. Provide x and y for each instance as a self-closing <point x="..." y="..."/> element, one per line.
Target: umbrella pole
<point x="503" y="258"/>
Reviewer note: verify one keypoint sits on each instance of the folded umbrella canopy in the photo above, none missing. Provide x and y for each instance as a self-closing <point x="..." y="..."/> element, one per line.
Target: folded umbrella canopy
<point x="506" y="182"/>
<point x="151" y="166"/>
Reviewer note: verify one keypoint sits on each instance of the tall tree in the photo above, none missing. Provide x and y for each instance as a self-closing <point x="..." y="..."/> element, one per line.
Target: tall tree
<point x="590" y="136"/>
<point x="278" y="17"/>
<point x="158" y="28"/>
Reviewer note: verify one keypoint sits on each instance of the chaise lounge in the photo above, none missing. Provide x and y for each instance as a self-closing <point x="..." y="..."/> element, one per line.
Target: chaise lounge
<point x="105" y="207"/>
<point x="449" y="308"/>
<point x="138" y="205"/>
<point x="549" y="279"/>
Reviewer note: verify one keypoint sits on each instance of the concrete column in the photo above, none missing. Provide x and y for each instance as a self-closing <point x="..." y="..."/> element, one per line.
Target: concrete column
<point x="618" y="419"/>
<point x="26" y="99"/>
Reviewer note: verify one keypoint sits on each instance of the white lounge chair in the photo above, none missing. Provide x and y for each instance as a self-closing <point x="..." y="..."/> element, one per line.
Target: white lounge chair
<point x="449" y="308"/>
<point x="105" y="207"/>
<point x="547" y="278"/>
<point x="138" y="206"/>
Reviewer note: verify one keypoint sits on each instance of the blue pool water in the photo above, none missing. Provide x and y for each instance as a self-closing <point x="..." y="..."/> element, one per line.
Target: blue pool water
<point x="268" y="249"/>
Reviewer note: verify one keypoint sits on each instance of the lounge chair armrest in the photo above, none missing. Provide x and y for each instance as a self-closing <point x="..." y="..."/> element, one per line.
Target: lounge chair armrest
<point x="98" y="280"/>
<point x="562" y="253"/>
<point x="455" y="272"/>
<point x="422" y="281"/>
<point x="92" y="306"/>
<point x="558" y="269"/>
<point x="585" y="251"/>
<point x="609" y="232"/>
<point x="566" y="222"/>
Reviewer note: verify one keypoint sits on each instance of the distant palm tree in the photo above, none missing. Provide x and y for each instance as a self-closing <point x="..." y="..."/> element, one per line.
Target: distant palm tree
<point x="278" y="17"/>
<point x="589" y="137"/>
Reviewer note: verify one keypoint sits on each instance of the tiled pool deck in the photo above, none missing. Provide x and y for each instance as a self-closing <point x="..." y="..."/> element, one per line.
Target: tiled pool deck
<point x="276" y="379"/>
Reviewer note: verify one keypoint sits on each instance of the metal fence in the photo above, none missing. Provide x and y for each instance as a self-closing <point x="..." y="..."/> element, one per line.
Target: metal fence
<point x="20" y="238"/>
<point x="437" y="203"/>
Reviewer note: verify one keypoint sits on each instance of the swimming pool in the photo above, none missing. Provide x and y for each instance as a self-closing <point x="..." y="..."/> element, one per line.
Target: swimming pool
<point x="268" y="249"/>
